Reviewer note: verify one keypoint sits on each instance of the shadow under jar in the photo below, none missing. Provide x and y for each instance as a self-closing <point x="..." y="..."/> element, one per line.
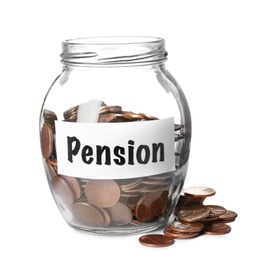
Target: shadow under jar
<point x="115" y="132"/>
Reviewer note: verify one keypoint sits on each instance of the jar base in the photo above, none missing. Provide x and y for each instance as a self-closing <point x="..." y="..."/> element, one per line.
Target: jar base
<point x="131" y="230"/>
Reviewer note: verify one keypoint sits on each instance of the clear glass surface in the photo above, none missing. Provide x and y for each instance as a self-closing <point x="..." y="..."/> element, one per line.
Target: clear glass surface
<point x="126" y="72"/>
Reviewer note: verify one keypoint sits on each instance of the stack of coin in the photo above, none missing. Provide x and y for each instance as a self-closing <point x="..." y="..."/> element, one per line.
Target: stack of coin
<point x="47" y="138"/>
<point x="113" y="114"/>
<point x="193" y="218"/>
<point x="109" y="114"/>
<point x="106" y="203"/>
<point x="116" y="114"/>
<point x="110" y="203"/>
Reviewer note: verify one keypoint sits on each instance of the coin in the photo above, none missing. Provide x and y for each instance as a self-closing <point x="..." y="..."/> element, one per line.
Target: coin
<point x="150" y="206"/>
<point x="71" y="111"/>
<point x="102" y="193"/>
<point x="148" y="117"/>
<point x="63" y="190"/>
<point x="184" y="201"/>
<point x="228" y="216"/>
<point x="106" y="118"/>
<point x="131" y="116"/>
<point x="178" y="137"/>
<point x="120" y="214"/>
<point x="199" y="192"/>
<point x="216" y="210"/>
<point x="179" y="235"/>
<point x="156" y="240"/>
<point x="194" y="218"/>
<point x="90" y="215"/>
<point x="209" y="219"/>
<point x="71" y="114"/>
<point x="186" y="227"/>
<point x="47" y="140"/>
<point x="193" y="213"/>
<point x="51" y="169"/>
<point x="129" y="184"/>
<point x="74" y="184"/>
<point x="49" y="117"/>
<point x="216" y="229"/>
<point x="177" y="127"/>
<point x="113" y="109"/>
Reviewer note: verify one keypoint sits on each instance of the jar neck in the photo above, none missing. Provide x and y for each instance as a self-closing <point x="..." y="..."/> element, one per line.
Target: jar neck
<point x="113" y="51"/>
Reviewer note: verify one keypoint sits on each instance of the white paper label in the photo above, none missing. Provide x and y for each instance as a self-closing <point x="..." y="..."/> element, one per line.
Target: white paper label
<point x="115" y="150"/>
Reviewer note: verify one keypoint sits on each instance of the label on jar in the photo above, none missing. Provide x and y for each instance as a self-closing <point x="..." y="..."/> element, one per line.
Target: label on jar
<point x="115" y="150"/>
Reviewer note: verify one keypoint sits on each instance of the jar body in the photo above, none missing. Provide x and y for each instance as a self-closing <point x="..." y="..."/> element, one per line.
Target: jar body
<point x="110" y="188"/>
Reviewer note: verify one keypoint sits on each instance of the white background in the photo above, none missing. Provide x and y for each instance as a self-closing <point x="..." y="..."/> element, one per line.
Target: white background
<point x="220" y="53"/>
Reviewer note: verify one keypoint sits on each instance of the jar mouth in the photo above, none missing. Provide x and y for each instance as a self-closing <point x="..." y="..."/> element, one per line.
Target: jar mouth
<point x="113" y="50"/>
<point x="113" y="40"/>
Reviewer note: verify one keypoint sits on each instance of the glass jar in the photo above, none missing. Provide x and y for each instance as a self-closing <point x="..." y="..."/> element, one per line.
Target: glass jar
<point x="115" y="132"/>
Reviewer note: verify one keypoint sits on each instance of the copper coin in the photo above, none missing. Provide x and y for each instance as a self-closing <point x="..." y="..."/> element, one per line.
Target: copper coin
<point x="177" y="127"/>
<point x="90" y="215"/>
<point x="47" y="140"/>
<point x="156" y="240"/>
<point x="120" y="214"/>
<point x="106" y="118"/>
<point x="209" y="219"/>
<point x="52" y="170"/>
<point x="178" y="137"/>
<point x="186" y="227"/>
<point x="148" y="117"/>
<point x="179" y="235"/>
<point x="74" y="184"/>
<point x="71" y="114"/>
<point x="216" y="210"/>
<point x="102" y="193"/>
<point x="108" y="109"/>
<point x="131" y="115"/>
<point x="217" y="229"/>
<point x="52" y="162"/>
<point x="193" y="213"/>
<point x="63" y="190"/>
<point x="199" y="192"/>
<point x="129" y="185"/>
<point x="187" y="200"/>
<point x="49" y="117"/>
<point x="228" y="216"/>
<point x="150" y="206"/>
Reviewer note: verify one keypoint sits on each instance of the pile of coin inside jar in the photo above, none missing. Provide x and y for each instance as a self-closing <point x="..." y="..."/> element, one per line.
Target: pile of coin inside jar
<point x="193" y="218"/>
<point x="124" y="202"/>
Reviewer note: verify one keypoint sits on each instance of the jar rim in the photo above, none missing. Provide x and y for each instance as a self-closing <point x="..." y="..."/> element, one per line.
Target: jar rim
<point x="113" y="40"/>
<point x="113" y="51"/>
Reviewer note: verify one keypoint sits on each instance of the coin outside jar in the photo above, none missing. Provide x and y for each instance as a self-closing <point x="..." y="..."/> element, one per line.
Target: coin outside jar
<point x="114" y="157"/>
